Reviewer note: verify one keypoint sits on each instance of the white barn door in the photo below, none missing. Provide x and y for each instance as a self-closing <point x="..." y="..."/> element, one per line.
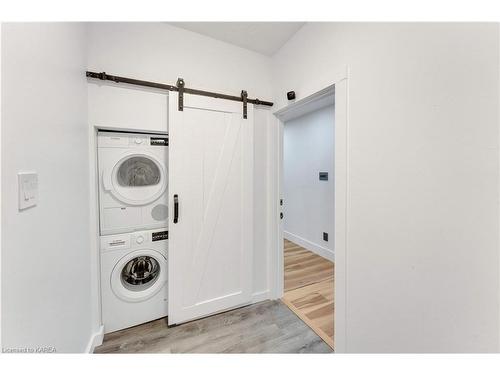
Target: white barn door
<point x="211" y="178"/>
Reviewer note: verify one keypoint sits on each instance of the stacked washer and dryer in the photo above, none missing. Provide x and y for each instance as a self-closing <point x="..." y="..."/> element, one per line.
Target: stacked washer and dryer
<point x="133" y="217"/>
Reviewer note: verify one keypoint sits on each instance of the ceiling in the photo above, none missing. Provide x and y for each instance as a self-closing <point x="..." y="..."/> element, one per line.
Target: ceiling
<point x="262" y="37"/>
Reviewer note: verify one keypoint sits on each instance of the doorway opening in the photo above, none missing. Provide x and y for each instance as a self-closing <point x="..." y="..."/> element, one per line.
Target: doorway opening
<point x="309" y="264"/>
<point x="308" y="217"/>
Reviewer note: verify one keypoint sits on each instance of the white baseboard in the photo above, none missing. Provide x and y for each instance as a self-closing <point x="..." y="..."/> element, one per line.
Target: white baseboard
<point x="260" y="296"/>
<point x="95" y="340"/>
<point x="311" y="246"/>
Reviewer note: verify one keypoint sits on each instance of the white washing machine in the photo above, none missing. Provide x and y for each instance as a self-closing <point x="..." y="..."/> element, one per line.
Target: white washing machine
<point x="133" y="278"/>
<point x="133" y="181"/>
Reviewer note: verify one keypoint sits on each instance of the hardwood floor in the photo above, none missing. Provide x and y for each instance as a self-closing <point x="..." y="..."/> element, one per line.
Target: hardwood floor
<point x="266" y="327"/>
<point x="309" y="289"/>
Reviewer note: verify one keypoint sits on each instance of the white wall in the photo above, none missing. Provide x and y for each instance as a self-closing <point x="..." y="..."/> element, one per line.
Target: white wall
<point x="45" y="249"/>
<point x="308" y="148"/>
<point x="160" y="52"/>
<point x="422" y="239"/>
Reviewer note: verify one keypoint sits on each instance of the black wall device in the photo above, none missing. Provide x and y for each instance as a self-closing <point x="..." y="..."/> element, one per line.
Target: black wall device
<point x="323" y="176"/>
<point x="325" y="236"/>
<point x="290" y="95"/>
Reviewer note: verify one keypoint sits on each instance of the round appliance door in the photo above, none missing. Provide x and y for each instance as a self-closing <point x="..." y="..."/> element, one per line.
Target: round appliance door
<point x="139" y="275"/>
<point x="138" y="179"/>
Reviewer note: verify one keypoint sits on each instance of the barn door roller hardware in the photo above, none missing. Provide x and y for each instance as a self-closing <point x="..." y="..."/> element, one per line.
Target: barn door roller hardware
<point x="244" y="99"/>
<point x="181" y="89"/>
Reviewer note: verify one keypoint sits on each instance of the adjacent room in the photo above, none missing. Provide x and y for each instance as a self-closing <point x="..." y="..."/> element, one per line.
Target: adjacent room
<point x="308" y="207"/>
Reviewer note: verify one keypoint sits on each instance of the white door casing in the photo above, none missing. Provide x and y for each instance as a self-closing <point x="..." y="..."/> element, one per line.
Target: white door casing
<point x="339" y="82"/>
<point x="211" y="172"/>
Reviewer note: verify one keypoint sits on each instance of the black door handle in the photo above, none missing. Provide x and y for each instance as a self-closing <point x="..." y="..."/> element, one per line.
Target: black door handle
<point x="176" y="208"/>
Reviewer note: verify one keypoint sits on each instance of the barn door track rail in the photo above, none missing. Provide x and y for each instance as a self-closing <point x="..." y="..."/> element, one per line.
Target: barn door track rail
<point x="181" y="89"/>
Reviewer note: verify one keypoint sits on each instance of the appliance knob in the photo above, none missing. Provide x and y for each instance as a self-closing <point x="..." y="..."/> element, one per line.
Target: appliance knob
<point x="138" y="141"/>
<point x="139" y="239"/>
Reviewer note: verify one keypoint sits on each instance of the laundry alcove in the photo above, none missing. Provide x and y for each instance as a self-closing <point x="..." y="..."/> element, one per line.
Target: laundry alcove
<point x="211" y="266"/>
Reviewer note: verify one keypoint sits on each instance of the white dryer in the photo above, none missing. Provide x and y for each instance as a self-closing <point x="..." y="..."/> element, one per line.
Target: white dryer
<point x="133" y="181"/>
<point x="133" y="278"/>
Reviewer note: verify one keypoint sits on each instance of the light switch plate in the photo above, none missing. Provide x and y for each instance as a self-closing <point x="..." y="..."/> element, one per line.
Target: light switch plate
<point x="28" y="189"/>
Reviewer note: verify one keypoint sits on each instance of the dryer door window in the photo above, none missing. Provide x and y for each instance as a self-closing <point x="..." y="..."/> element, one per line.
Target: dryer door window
<point x="138" y="171"/>
<point x="138" y="179"/>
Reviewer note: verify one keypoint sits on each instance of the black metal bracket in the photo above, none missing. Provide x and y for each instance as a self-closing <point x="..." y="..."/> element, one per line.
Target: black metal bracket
<point x="180" y="88"/>
<point x="244" y="99"/>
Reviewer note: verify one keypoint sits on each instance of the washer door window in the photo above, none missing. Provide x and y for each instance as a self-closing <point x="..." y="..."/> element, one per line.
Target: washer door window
<point x="138" y="179"/>
<point x="139" y="275"/>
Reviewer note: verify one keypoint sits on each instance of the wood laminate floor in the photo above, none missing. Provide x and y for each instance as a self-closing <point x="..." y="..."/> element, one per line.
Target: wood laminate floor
<point x="266" y="327"/>
<point x="309" y="289"/>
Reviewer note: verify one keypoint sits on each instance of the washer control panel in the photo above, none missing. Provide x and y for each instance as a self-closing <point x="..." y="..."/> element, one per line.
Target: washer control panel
<point x="134" y="240"/>
<point x="160" y="236"/>
<point x="115" y="242"/>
